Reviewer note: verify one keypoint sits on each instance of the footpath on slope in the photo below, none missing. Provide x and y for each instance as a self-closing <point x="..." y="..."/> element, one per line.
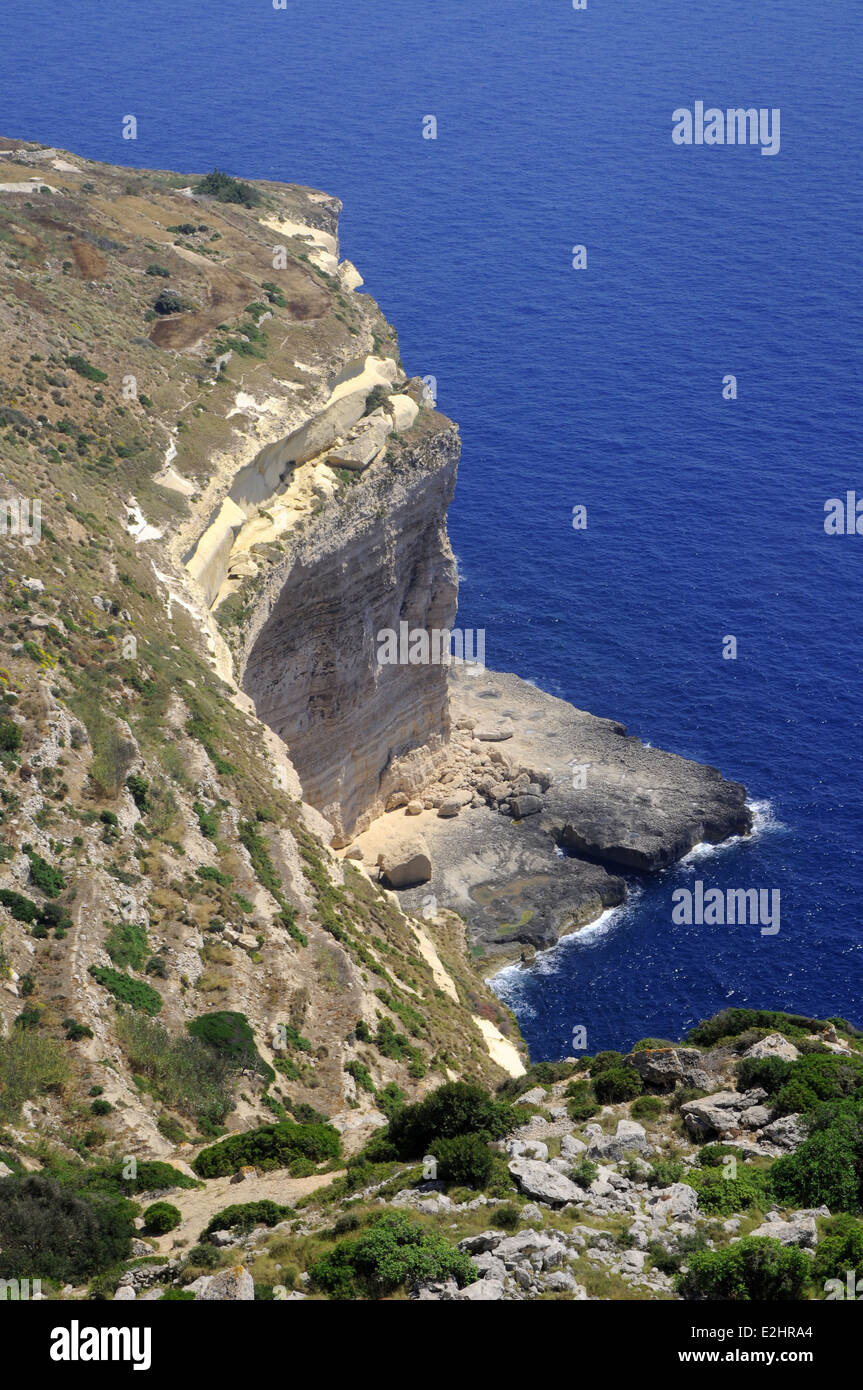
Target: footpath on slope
<point x="198" y="1206"/>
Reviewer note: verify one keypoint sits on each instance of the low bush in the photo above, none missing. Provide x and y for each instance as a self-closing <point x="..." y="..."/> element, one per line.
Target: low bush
<point x="454" y="1109"/>
<point x="719" y="1195"/>
<point x="614" y="1084"/>
<point x="839" y="1249"/>
<point x="756" y="1268"/>
<point x="272" y="1146"/>
<point x="390" y="1253"/>
<point x="126" y="944"/>
<point x="230" y="1035"/>
<point x="646" y="1108"/>
<point x="134" y="992"/>
<point x="244" y="1216"/>
<point x="466" y="1161"/>
<point x="161" y="1217"/>
<point x="227" y="189"/>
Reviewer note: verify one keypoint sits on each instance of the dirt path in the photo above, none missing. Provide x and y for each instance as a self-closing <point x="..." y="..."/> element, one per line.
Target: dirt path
<point x="199" y="1206"/>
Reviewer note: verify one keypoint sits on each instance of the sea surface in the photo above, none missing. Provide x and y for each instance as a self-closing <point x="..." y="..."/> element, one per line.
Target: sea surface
<point x="599" y="387"/>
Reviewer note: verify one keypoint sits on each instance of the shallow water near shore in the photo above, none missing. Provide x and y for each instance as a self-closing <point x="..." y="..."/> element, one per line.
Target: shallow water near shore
<point x="599" y="388"/>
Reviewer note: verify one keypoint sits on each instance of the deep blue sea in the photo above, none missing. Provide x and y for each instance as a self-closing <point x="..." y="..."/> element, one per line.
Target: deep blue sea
<point x="599" y="387"/>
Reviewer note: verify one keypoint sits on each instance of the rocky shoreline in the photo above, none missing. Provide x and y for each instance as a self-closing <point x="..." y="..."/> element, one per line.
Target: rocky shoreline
<point x="535" y="814"/>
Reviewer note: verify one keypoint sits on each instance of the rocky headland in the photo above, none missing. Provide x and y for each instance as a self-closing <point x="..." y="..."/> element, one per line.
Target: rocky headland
<point x="252" y="879"/>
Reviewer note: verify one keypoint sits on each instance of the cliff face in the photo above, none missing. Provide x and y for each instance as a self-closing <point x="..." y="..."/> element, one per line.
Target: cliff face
<point x="357" y="730"/>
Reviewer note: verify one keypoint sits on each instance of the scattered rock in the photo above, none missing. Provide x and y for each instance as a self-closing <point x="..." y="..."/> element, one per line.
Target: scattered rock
<point x="539" y="1180"/>
<point x="229" y="1285"/>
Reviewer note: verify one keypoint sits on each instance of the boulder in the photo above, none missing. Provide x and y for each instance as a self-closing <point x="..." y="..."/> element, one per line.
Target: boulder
<point x="571" y="1148"/>
<point x="544" y="1183"/>
<point x="364" y="445"/>
<point x="526" y="805"/>
<point x="404" y="411"/>
<point x="493" y="733"/>
<point x="414" y="808"/>
<point x="234" y="1285"/>
<point x="244" y="1174"/>
<point x="774" y="1045"/>
<point x="677" y="1203"/>
<point x="125" y="1294"/>
<point x="406" y="864"/>
<point x="801" y="1231"/>
<point x="630" y="1138"/>
<point x="483" y="1291"/>
<point x="527" y="1148"/>
<point x="667" y="1067"/>
<point x="786" y="1133"/>
<point x="723" y="1112"/>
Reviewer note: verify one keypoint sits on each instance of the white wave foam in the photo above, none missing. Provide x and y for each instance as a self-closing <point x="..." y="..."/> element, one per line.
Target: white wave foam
<point x="764" y="821"/>
<point x="506" y="982"/>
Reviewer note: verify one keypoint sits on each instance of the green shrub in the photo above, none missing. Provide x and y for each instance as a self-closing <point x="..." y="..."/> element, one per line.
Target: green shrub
<point x="126" y="944"/>
<point x="208" y="821"/>
<point x="244" y="1216"/>
<point x="729" y="1023"/>
<point x="390" y="1253"/>
<point x="21" y="908"/>
<point x="585" y="1173"/>
<point x="44" y="876"/>
<point x="76" y="1032"/>
<point x="10" y="736"/>
<point x="362" y="1076"/>
<point x="719" y="1195"/>
<point x="823" y="1171"/>
<point x="211" y="875"/>
<point x="151" y="1175"/>
<point x="507" y="1217"/>
<point x="390" y="1099"/>
<point x="101" y="1107"/>
<point x="581" y="1110"/>
<point x="154" y="269"/>
<point x="227" y="189"/>
<point x="614" y="1084"/>
<point x="456" y="1108"/>
<point x="466" y="1161"/>
<point x="272" y="1146"/>
<point x="138" y="787"/>
<point x="203" y="1256"/>
<point x="603" y="1061"/>
<point x="711" y="1155"/>
<point x="84" y="368"/>
<point x="134" y="992"/>
<point x="161" y="1217"/>
<point x="230" y="1035"/>
<point x="664" y="1172"/>
<point x="839" y="1249"/>
<point x="816" y="1078"/>
<point x="756" y="1268"/>
<point x="646" y="1108"/>
<point x="49" y="1232"/>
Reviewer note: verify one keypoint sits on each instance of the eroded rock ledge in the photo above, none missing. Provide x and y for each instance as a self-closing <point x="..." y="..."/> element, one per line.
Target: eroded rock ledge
<point x="552" y="803"/>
